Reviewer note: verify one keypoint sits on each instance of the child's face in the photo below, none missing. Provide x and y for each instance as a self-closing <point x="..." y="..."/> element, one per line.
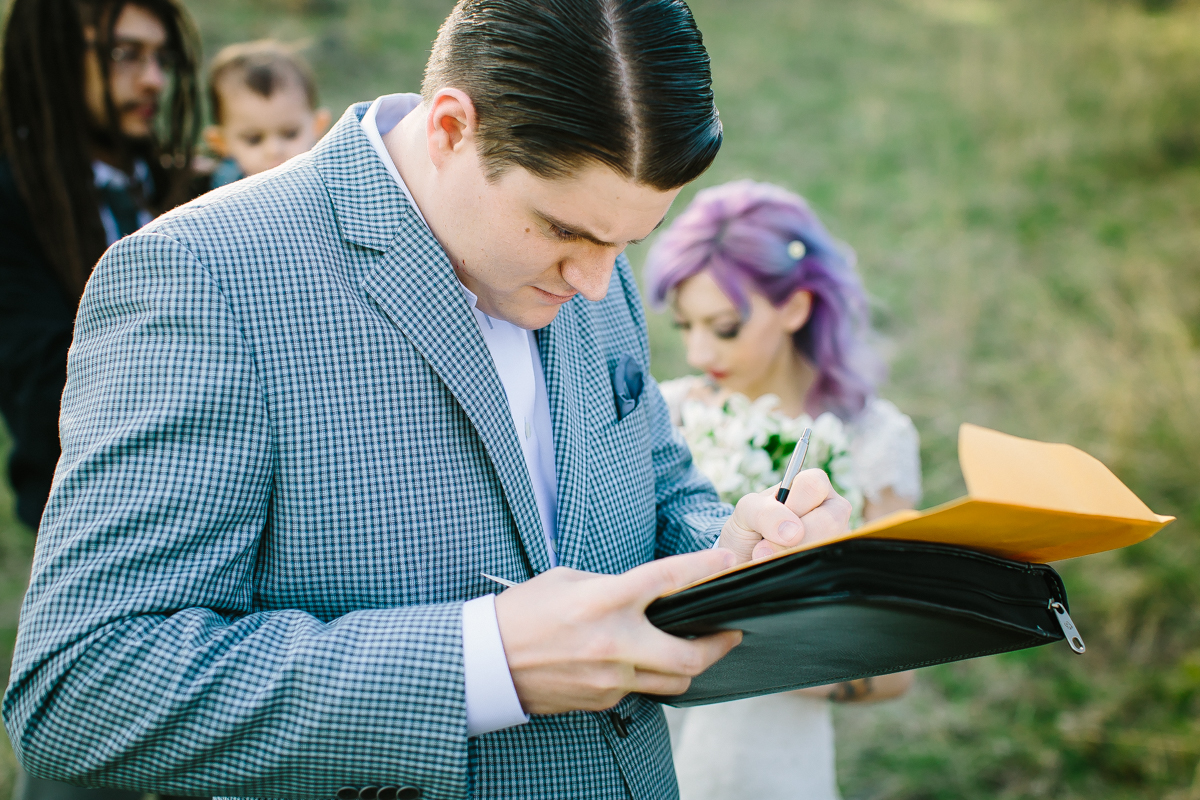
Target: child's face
<point x="262" y="132"/>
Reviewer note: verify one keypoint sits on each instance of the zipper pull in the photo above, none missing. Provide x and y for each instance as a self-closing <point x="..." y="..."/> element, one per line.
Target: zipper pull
<point x="1068" y="628"/>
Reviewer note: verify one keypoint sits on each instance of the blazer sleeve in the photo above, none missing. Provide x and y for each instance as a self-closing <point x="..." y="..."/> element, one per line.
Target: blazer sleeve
<point x="690" y="513"/>
<point x="141" y="660"/>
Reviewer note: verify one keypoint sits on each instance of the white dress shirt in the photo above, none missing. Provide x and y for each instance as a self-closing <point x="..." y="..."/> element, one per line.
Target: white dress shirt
<point x="491" y="698"/>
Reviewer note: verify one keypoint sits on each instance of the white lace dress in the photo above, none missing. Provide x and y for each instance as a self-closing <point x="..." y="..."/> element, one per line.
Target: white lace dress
<point x="781" y="746"/>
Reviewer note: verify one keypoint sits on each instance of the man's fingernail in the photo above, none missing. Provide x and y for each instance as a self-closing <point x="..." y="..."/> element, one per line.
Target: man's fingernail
<point x="789" y="531"/>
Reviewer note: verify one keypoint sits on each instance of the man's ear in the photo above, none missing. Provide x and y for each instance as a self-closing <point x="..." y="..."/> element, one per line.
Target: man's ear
<point x="214" y="137"/>
<point x="450" y="125"/>
<point x="796" y="310"/>
<point x="321" y="120"/>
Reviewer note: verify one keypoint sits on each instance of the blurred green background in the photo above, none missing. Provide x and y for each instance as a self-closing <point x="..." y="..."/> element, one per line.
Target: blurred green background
<point x="1021" y="180"/>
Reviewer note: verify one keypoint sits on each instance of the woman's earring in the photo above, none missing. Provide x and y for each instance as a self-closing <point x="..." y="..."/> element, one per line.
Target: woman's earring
<point x="796" y="250"/>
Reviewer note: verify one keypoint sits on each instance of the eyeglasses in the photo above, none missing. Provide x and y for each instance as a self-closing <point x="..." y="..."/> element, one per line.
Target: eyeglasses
<point x="134" y="57"/>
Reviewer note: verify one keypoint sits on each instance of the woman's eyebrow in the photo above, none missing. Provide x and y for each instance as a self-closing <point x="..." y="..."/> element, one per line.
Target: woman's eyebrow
<point x="709" y="319"/>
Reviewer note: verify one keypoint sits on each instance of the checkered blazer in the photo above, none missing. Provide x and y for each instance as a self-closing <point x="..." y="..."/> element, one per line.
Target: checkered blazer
<point x="287" y="458"/>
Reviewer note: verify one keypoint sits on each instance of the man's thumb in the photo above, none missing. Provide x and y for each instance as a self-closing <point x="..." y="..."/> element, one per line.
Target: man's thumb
<point x="650" y="581"/>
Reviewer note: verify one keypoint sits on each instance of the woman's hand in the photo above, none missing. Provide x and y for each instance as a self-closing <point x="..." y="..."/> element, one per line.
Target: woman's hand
<point x="863" y="690"/>
<point x="887" y="503"/>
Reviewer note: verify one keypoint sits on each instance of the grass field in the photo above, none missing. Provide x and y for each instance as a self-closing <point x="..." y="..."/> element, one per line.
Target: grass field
<point x="1021" y="180"/>
<point x="16" y="551"/>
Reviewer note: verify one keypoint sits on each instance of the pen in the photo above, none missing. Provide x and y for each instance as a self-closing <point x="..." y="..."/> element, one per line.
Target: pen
<point x="794" y="465"/>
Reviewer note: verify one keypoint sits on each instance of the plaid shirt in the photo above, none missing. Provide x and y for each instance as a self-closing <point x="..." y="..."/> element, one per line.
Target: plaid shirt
<point x="287" y="458"/>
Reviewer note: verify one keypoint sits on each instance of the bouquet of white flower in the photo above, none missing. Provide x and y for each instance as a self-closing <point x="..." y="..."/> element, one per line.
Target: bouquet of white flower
<point x="744" y="446"/>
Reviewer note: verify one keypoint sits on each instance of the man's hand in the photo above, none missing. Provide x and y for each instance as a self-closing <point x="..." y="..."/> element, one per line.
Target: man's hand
<point x="580" y="641"/>
<point x="761" y="525"/>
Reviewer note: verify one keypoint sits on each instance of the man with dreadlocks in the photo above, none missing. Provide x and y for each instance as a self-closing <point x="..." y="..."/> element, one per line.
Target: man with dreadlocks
<point x="82" y="165"/>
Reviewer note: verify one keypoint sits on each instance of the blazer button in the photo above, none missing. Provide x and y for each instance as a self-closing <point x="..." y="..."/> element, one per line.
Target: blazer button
<point x="409" y="793"/>
<point x="347" y="793"/>
<point x="368" y="793"/>
<point x="388" y="793"/>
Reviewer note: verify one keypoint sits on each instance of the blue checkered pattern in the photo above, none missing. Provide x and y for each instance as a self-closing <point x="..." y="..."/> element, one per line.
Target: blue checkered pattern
<point x="287" y="458"/>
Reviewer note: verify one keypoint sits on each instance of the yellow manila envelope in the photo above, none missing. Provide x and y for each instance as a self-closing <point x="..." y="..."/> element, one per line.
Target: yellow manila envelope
<point x="1026" y="501"/>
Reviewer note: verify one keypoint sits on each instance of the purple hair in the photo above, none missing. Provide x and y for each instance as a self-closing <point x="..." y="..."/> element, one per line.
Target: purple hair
<point x="745" y="233"/>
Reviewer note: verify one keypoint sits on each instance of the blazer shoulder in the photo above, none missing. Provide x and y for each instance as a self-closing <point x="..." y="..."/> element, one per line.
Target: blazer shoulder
<point x="253" y="223"/>
<point x="275" y="193"/>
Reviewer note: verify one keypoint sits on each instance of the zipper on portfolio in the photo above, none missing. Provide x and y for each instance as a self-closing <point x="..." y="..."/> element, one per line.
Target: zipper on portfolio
<point x="1068" y="627"/>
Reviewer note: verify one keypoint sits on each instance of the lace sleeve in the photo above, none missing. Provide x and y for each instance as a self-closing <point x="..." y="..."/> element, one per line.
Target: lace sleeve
<point x="886" y="452"/>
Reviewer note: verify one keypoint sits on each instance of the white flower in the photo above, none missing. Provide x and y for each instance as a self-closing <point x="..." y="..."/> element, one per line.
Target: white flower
<point x="743" y="446"/>
<point x="756" y="466"/>
<point x="792" y="428"/>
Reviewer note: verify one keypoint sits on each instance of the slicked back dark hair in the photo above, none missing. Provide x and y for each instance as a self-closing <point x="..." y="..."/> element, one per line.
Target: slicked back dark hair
<point x="47" y="133"/>
<point x="557" y="84"/>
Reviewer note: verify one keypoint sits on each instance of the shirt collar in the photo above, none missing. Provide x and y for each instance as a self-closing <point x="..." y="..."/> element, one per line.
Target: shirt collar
<point x="383" y="115"/>
<point x="472" y="298"/>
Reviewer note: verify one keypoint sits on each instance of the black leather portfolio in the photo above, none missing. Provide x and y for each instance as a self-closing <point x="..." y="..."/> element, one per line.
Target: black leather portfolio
<point x="859" y="608"/>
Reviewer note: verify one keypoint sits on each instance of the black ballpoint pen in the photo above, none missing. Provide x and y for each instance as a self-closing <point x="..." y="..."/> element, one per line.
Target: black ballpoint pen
<point x="794" y="465"/>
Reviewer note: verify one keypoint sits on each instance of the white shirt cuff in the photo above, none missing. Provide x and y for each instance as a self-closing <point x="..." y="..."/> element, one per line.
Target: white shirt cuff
<point x="492" y="702"/>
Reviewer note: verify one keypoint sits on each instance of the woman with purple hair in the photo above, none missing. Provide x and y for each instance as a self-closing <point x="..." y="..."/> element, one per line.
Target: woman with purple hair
<point x="770" y="308"/>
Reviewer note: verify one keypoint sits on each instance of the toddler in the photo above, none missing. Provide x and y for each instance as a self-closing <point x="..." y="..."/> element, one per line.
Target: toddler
<point x="264" y="106"/>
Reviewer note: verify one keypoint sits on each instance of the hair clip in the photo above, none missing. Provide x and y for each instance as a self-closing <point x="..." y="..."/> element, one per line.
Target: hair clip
<point x="796" y="250"/>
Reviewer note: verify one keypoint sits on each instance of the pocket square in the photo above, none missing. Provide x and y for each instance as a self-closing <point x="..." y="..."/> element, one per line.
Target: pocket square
<point x="627" y="384"/>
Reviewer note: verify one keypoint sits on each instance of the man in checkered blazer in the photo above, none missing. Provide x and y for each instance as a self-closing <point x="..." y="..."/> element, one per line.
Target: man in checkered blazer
<point x="308" y="414"/>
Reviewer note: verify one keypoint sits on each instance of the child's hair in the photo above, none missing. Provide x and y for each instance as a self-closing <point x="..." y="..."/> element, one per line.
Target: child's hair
<point x="761" y="238"/>
<point x="264" y="66"/>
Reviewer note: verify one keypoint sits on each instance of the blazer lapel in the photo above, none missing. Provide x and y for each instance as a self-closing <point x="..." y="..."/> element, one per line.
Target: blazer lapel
<point x="414" y="284"/>
<point x="575" y="371"/>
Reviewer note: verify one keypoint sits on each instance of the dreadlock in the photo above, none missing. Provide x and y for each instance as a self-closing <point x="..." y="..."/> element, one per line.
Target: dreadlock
<point x="47" y="133"/>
